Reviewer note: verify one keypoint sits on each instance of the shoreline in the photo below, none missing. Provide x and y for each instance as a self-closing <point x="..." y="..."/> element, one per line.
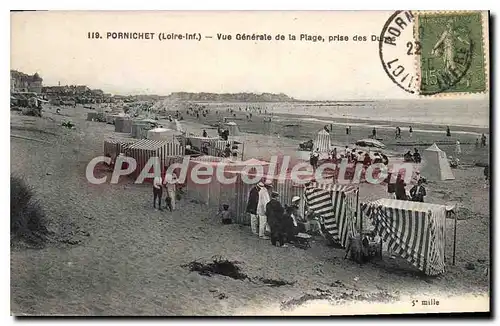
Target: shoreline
<point x="386" y="124"/>
<point x="424" y="125"/>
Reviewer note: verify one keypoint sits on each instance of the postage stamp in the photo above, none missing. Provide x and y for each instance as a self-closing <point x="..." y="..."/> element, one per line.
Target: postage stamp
<point x="452" y="55"/>
<point x="430" y="53"/>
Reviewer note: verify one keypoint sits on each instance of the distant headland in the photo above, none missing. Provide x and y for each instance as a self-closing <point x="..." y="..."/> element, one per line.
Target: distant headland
<point x="230" y="97"/>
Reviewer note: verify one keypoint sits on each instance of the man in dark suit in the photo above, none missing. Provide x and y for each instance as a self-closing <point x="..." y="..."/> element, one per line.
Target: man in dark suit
<point x="400" y="188"/>
<point x="417" y="193"/>
<point x="253" y="200"/>
<point x="274" y="213"/>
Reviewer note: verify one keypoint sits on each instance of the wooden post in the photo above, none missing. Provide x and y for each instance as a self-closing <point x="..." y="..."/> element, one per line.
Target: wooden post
<point x="454" y="238"/>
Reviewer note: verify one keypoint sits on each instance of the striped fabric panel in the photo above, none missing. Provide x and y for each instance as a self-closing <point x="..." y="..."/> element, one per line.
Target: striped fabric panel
<point x="353" y="210"/>
<point x="415" y="235"/>
<point x="147" y="144"/>
<point x="173" y="149"/>
<point x="113" y="147"/>
<point x="217" y="146"/>
<point x="437" y="221"/>
<point x="322" y="141"/>
<point x="334" y="187"/>
<point x="145" y="149"/>
<point x="320" y="202"/>
<point x="337" y="205"/>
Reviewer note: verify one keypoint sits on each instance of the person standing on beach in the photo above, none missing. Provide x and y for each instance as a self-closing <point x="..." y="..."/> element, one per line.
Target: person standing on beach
<point x="314" y="159"/>
<point x="448" y="131"/>
<point x="348" y="153"/>
<point x="411" y="131"/>
<point x="391" y="187"/>
<point x="416" y="156"/>
<point x="374" y="133"/>
<point x="417" y="193"/>
<point x="253" y="200"/>
<point x="227" y="151"/>
<point x="458" y="149"/>
<point x="157" y="191"/>
<point x="274" y="213"/>
<point x="291" y="226"/>
<point x="170" y="185"/>
<point x="264" y="198"/>
<point x="483" y="140"/>
<point x="400" y="188"/>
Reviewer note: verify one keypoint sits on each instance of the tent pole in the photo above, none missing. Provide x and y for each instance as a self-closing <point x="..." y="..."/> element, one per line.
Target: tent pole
<point x="358" y="214"/>
<point x="454" y="238"/>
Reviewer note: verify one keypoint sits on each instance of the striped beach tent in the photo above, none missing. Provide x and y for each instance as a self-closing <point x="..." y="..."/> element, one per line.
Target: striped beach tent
<point x="199" y="142"/>
<point x="217" y="146"/>
<point x="336" y="204"/>
<point x="115" y="146"/>
<point x="322" y="142"/>
<point x="145" y="149"/>
<point x="413" y="230"/>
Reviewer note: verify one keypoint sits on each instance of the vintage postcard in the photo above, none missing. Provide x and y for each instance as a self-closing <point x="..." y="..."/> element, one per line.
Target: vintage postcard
<point x="200" y="163"/>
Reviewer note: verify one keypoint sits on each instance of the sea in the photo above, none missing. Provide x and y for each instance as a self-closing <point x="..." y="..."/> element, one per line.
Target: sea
<point x="439" y="112"/>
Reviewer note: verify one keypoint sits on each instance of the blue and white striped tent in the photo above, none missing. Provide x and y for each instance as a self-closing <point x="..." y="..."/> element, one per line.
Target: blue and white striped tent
<point x="413" y="230"/>
<point x="336" y="204"/>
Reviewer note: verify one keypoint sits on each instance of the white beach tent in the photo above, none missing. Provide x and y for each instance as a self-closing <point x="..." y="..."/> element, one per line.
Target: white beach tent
<point x="178" y="126"/>
<point x="233" y="128"/>
<point x="435" y="165"/>
<point x="322" y="142"/>
<point x="163" y="134"/>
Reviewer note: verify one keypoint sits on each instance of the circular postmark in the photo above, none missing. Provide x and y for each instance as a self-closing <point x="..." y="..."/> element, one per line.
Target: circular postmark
<point x="426" y="60"/>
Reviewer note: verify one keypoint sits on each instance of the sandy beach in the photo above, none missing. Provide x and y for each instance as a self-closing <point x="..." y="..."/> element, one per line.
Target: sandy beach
<point x="129" y="256"/>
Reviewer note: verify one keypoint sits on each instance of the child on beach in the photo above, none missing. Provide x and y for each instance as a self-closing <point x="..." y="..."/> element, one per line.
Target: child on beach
<point x="225" y="215"/>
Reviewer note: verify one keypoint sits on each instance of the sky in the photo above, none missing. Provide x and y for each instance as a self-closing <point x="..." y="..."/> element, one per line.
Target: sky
<point x="56" y="45"/>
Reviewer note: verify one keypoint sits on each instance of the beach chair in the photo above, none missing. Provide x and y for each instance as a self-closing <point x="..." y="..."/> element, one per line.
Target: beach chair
<point x="303" y="240"/>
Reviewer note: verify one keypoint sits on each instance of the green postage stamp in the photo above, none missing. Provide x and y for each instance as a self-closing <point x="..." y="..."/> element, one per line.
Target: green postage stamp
<point x="452" y="58"/>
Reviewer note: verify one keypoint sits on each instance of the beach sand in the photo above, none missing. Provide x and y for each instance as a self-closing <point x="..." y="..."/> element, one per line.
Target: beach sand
<point x="130" y="263"/>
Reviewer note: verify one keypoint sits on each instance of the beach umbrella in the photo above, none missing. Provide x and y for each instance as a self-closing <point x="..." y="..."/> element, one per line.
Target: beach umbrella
<point x="370" y="143"/>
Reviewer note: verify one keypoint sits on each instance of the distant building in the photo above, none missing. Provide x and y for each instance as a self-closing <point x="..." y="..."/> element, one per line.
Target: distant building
<point x="21" y="82"/>
<point x="67" y="90"/>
